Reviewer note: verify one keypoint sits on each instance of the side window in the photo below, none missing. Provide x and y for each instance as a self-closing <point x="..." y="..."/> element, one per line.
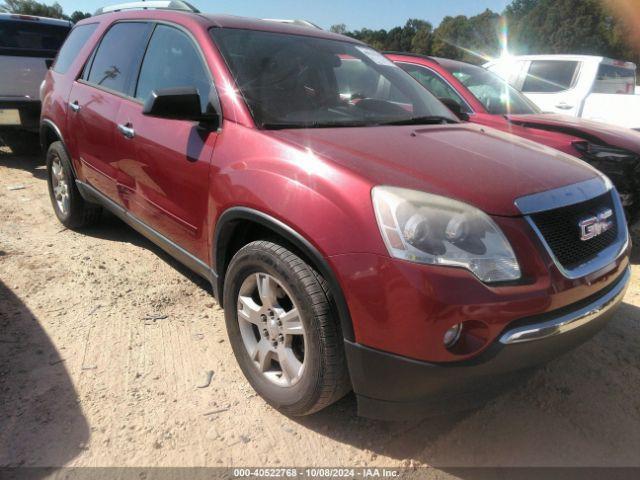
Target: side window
<point x="118" y="56"/>
<point x="75" y="41"/>
<point x="434" y="83"/>
<point x="549" y="76"/>
<point x="172" y="60"/>
<point x="614" y="79"/>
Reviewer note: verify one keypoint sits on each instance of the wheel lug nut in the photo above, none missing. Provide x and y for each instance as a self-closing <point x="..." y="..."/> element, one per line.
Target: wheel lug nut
<point x="266" y="332"/>
<point x="263" y="317"/>
<point x="274" y="343"/>
<point x="279" y="323"/>
<point x="281" y="338"/>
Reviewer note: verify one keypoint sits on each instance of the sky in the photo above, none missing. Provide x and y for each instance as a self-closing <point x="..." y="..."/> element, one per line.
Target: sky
<point x="356" y="14"/>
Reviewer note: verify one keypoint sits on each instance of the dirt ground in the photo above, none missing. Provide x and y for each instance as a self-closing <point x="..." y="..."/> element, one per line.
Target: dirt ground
<point x="105" y="343"/>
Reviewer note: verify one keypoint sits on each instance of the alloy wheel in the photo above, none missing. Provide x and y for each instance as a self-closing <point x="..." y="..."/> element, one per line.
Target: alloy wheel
<point x="271" y="329"/>
<point x="60" y="186"/>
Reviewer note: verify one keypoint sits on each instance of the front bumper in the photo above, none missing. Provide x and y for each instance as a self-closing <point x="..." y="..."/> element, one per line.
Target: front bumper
<point x="28" y="113"/>
<point x="393" y="387"/>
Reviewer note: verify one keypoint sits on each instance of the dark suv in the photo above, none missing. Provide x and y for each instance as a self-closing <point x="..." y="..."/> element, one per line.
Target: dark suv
<point x="357" y="235"/>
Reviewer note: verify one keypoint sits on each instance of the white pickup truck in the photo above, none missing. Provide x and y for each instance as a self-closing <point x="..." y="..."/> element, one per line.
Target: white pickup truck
<point x="28" y="46"/>
<point x="595" y="88"/>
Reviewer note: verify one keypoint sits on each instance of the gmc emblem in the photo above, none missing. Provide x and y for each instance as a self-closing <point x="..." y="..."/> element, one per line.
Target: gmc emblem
<point x="593" y="226"/>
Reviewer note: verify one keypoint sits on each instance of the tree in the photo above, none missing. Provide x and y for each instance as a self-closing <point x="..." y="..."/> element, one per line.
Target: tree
<point x="471" y="39"/>
<point x="31" y="7"/>
<point x="340" y="28"/>
<point x="78" y="15"/>
<point x="414" y="36"/>
<point x="423" y="38"/>
<point x="559" y="26"/>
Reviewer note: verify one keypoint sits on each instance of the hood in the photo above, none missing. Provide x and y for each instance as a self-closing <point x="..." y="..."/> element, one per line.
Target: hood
<point x="596" y="132"/>
<point x="477" y="165"/>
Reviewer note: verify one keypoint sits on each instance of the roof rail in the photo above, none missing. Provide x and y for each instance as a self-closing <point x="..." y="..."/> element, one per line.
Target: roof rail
<point x="300" y="23"/>
<point x="411" y="54"/>
<point x="153" y="4"/>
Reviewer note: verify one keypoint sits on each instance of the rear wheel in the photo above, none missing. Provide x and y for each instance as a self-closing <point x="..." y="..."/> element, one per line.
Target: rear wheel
<point x="72" y="210"/>
<point x="282" y="329"/>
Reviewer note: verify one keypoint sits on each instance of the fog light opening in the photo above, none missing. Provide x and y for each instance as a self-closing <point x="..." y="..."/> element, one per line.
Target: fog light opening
<point x="466" y="338"/>
<point x="452" y="335"/>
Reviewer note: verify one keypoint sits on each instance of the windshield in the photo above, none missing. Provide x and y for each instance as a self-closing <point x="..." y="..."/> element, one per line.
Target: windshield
<point x="31" y="36"/>
<point x="497" y="96"/>
<point x="294" y="81"/>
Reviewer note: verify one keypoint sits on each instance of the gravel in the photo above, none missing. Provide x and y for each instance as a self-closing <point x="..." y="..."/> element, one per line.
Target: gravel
<point x="85" y="382"/>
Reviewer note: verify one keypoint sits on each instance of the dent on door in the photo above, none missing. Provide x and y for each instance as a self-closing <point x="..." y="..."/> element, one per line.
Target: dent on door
<point x="163" y="175"/>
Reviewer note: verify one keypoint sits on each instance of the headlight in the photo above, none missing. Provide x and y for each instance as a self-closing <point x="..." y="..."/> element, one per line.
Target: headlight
<point x="425" y="228"/>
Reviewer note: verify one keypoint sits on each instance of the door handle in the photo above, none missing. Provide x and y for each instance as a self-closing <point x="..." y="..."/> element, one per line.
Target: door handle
<point x="564" y="106"/>
<point x="74" y="106"/>
<point x="126" y="130"/>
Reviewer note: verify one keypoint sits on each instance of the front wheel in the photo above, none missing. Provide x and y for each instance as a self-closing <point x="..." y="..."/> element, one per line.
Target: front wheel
<point x="281" y="326"/>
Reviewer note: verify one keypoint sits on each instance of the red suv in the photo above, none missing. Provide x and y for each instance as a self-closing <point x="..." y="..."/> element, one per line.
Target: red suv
<point x="357" y="235"/>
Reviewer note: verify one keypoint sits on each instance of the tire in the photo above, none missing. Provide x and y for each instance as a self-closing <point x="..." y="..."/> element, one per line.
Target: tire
<point x="72" y="210"/>
<point x="21" y="142"/>
<point x="323" y="377"/>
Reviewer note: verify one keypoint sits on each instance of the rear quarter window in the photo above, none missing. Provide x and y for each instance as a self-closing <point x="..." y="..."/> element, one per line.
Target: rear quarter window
<point x="76" y="40"/>
<point x="549" y="76"/>
<point x="614" y="79"/>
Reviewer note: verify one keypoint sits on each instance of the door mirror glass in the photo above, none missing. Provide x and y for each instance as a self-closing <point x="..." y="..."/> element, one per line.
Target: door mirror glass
<point x="182" y="103"/>
<point x="455" y="108"/>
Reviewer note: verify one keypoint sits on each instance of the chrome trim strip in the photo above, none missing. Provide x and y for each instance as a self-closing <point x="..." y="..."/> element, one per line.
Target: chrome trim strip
<point x="604" y="257"/>
<point x="173" y="249"/>
<point x="563" y="196"/>
<point x="570" y="321"/>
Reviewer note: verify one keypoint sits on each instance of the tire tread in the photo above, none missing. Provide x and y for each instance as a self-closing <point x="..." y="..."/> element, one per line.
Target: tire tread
<point x="333" y="381"/>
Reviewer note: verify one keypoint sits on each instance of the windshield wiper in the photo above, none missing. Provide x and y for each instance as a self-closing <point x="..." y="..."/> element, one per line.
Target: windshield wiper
<point x="424" y="120"/>
<point x="285" y="125"/>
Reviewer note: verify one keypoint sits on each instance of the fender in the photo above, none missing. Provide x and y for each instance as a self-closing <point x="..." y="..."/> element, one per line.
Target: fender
<point x="223" y="235"/>
<point x="46" y="123"/>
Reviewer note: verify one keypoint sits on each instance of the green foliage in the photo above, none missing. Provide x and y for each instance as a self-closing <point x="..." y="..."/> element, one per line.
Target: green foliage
<point x="31" y="7"/>
<point x="471" y="39"/>
<point x="551" y="26"/>
<point x="416" y="36"/>
<point x="534" y="26"/>
<point x="78" y="15"/>
<point x="340" y="28"/>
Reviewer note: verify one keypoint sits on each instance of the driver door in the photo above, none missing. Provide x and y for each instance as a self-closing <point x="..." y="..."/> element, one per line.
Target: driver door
<point x="163" y="177"/>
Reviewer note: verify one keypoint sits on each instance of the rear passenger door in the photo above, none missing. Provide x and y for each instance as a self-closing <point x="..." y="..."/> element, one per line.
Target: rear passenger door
<point x="550" y="84"/>
<point x="95" y="100"/>
<point x="163" y="176"/>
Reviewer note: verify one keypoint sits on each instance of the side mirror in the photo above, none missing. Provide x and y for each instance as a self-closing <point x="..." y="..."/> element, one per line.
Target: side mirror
<point x="181" y="103"/>
<point x="455" y="108"/>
